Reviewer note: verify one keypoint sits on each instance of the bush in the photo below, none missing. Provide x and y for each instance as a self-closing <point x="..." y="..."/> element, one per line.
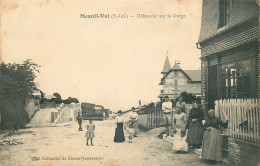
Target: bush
<point x="189" y="98"/>
<point x="16" y="89"/>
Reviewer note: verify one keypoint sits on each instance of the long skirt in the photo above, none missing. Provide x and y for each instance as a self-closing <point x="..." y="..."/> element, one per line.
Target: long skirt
<point x="195" y="133"/>
<point x="211" y="146"/>
<point x="90" y="134"/>
<point x="119" y="134"/>
<point x="179" y="143"/>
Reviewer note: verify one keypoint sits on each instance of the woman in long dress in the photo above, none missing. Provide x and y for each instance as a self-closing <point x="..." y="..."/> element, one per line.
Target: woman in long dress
<point x="211" y="146"/>
<point x="179" y="126"/>
<point x="119" y="133"/>
<point x="196" y="130"/>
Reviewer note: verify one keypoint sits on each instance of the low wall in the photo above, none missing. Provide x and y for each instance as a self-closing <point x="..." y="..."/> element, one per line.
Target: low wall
<point x="65" y="113"/>
<point x="32" y="107"/>
<point x="239" y="152"/>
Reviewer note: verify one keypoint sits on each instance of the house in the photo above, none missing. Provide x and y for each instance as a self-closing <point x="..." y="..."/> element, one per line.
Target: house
<point x="229" y="50"/>
<point x="33" y="104"/>
<point x="176" y="80"/>
<point x="230" y="67"/>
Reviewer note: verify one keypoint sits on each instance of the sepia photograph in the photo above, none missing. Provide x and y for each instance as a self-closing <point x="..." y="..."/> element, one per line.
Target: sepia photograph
<point x="129" y="83"/>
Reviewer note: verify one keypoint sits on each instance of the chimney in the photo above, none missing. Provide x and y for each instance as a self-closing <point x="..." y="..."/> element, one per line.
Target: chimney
<point x="178" y="62"/>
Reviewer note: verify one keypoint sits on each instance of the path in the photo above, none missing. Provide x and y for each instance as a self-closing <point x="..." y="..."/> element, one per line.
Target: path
<point x="41" y="118"/>
<point x="50" y="145"/>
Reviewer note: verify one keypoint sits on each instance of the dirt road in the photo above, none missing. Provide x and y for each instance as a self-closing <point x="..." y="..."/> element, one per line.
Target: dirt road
<point x="67" y="146"/>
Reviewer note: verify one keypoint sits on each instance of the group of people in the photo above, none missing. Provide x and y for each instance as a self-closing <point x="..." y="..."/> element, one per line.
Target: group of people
<point x="130" y="126"/>
<point x="193" y="130"/>
<point x="188" y="131"/>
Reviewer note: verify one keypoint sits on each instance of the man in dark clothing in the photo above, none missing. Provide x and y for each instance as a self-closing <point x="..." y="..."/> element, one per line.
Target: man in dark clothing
<point x="79" y="119"/>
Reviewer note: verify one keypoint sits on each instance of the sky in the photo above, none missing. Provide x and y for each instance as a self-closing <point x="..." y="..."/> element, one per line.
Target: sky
<point x="111" y="62"/>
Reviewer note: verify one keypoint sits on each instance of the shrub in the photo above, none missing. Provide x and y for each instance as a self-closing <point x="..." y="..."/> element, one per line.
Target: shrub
<point x="16" y="88"/>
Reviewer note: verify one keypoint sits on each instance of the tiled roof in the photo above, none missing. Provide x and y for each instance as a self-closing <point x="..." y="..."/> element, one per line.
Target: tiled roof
<point x="195" y="75"/>
<point x="167" y="65"/>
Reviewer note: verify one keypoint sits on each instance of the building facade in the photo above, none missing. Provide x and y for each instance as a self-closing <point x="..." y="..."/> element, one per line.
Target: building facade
<point x="175" y="80"/>
<point x="229" y="50"/>
<point x="230" y="66"/>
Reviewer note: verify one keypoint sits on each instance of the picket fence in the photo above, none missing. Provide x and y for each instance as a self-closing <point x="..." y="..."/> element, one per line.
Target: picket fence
<point x="243" y="116"/>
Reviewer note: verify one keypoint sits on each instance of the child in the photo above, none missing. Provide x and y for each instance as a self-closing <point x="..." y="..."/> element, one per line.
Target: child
<point x="130" y="130"/>
<point x="90" y="131"/>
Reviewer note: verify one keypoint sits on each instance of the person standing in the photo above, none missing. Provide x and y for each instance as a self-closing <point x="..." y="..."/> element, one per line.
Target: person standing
<point x="133" y="119"/>
<point x="167" y="109"/>
<point x="179" y="127"/>
<point x="211" y="145"/>
<point x="196" y="130"/>
<point x="90" y="131"/>
<point x="79" y="120"/>
<point x="129" y="128"/>
<point x="119" y="133"/>
<point x="181" y="104"/>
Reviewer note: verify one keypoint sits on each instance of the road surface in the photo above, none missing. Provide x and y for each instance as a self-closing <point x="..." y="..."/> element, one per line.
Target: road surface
<point x="65" y="145"/>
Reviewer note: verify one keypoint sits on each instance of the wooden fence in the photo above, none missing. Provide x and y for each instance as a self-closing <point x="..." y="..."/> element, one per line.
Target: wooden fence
<point x="243" y="116"/>
<point x="151" y="120"/>
<point x="155" y="119"/>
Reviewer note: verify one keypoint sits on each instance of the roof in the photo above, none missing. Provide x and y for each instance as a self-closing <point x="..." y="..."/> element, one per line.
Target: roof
<point x="195" y="75"/>
<point x="241" y="11"/>
<point x="176" y="67"/>
<point x="167" y="65"/>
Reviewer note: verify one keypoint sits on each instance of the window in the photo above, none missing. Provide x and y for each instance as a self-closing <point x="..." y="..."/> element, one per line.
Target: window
<point x="235" y="80"/>
<point x="161" y="91"/>
<point x="224" y="12"/>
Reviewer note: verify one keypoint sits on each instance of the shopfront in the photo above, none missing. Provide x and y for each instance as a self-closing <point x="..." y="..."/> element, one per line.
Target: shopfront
<point x="231" y="75"/>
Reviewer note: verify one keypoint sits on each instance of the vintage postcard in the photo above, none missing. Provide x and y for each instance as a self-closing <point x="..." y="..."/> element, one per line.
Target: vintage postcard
<point x="129" y="82"/>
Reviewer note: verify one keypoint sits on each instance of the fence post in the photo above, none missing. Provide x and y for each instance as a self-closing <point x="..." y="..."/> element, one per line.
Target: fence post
<point x="217" y="109"/>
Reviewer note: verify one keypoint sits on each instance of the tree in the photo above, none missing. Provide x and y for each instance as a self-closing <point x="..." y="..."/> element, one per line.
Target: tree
<point x="16" y="88"/>
<point x="42" y="100"/>
<point x="189" y="98"/>
<point x="70" y="100"/>
<point x="57" y="100"/>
